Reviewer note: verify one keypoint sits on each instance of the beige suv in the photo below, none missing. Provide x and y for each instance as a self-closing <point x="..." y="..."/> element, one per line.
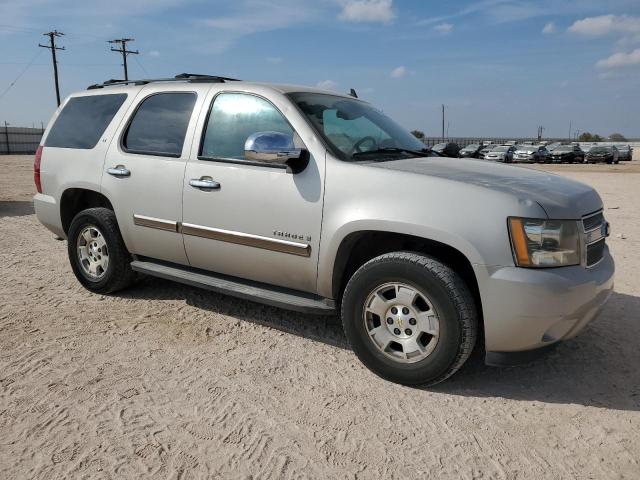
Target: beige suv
<point x="318" y="202"/>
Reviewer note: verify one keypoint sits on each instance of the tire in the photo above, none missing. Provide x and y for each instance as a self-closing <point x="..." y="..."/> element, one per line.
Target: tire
<point x="442" y="293"/>
<point x="117" y="273"/>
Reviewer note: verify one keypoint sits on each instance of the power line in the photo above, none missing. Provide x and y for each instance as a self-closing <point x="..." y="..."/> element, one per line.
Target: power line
<point x="141" y="66"/>
<point x="35" y="57"/>
<point x="52" y="46"/>
<point x="123" y="42"/>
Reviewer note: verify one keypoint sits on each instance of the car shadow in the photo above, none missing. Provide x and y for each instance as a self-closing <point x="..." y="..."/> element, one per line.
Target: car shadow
<point x="321" y="328"/>
<point x="599" y="368"/>
<point x="16" y="208"/>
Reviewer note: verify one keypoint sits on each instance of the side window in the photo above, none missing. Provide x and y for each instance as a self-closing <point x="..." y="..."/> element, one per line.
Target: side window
<point x="83" y="120"/>
<point x="159" y="125"/>
<point x="235" y="116"/>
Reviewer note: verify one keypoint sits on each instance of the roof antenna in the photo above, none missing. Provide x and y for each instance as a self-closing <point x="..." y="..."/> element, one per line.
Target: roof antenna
<point x="353" y="93"/>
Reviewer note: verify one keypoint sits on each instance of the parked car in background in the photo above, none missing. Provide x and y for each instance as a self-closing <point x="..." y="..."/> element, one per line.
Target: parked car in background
<point x="486" y="149"/>
<point x="471" y="151"/>
<point x="502" y="153"/>
<point x="449" y="149"/>
<point x="552" y="146"/>
<point x="606" y="153"/>
<point x="567" y="153"/>
<point x="532" y="154"/>
<point x="625" y="152"/>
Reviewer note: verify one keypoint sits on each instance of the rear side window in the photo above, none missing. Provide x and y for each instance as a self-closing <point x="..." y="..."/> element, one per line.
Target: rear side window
<point x="159" y="125"/>
<point x="83" y="120"/>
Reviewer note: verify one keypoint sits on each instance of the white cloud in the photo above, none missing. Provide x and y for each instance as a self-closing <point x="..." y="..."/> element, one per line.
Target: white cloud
<point x="549" y="28"/>
<point x="379" y="11"/>
<point x="398" y="72"/>
<point x="154" y="53"/>
<point x="327" y="84"/>
<point x="621" y="59"/>
<point x="606" y="25"/>
<point x="443" y="28"/>
<point x="274" y="60"/>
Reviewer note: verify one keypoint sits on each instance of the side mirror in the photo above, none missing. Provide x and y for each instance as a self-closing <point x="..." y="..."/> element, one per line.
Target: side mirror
<point x="272" y="147"/>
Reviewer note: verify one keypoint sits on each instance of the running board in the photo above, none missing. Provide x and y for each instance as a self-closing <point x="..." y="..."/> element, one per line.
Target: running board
<point x="245" y="289"/>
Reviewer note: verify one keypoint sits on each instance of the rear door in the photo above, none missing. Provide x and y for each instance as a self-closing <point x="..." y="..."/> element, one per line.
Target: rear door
<point x="144" y="170"/>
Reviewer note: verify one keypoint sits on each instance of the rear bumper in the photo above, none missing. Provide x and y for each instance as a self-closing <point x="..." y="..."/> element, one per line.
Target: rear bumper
<point x="48" y="213"/>
<point x="527" y="309"/>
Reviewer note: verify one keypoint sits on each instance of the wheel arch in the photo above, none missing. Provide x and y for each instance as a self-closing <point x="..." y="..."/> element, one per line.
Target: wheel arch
<point x="359" y="247"/>
<point x="74" y="200"/>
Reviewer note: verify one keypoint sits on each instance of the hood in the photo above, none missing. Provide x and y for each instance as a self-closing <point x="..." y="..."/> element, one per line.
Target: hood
<point x="560" y="197"/>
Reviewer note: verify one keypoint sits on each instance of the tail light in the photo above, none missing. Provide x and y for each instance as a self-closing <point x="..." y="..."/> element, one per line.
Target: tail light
<point x="36" y="169"/>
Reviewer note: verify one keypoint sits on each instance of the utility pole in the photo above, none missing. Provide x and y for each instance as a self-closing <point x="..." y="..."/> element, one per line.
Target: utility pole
<point x="6" y="135"/>
<point x="443" y="122"/>
<point x="52" y="46"/>
<point x="124" y="51"/>
<point x="540" y="129"/>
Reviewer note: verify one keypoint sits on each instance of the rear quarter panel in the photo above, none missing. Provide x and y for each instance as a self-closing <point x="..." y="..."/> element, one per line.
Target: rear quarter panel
<point x="64" y="168"/>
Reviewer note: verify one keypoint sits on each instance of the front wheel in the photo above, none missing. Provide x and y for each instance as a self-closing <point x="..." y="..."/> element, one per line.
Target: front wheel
<point x="409" y="318"/>
<point x="98" y="256"/>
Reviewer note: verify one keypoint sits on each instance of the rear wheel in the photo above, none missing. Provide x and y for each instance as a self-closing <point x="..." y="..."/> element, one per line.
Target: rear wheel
<point x="409" y="318"/>
<point x="98" y="256"/>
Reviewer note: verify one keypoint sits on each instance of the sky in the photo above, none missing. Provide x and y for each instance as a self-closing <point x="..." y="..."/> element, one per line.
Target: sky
<point x="500" y="67"/>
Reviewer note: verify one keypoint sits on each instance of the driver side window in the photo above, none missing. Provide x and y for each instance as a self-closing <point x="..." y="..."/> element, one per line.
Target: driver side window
<point x="235" y="116"/>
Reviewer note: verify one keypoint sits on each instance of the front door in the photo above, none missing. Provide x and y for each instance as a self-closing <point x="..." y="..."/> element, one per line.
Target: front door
<point x="144" y="172"/>
<point x="247" y="219"/>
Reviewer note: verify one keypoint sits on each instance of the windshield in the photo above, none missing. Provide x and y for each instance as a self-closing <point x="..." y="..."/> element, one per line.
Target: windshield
<point x="601" y="149"/>
<point x="501" y="149"/>
<point x="564" y="148"/>
<point x="353" y="128"/>
<point x="471" y="147"/>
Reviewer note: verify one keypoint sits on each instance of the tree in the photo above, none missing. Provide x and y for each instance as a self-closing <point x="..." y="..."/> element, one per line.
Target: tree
<point x="590" y="137"/>
<point x="617" y="137"/>
<point x="418" y="134"/>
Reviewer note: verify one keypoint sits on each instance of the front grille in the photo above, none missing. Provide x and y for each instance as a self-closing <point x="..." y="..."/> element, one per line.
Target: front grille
<point x="594" y="221"/>
<point x="595" y="251"/>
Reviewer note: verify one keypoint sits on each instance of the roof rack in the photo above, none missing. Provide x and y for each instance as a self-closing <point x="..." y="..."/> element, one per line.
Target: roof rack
<point x="183" y="77"/>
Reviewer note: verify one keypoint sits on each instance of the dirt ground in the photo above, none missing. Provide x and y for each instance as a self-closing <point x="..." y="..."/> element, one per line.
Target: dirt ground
<point x="168" y="381"/>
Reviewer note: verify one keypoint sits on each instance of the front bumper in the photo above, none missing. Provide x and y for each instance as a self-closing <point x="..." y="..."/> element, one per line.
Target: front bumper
<point x="526" y="309"/>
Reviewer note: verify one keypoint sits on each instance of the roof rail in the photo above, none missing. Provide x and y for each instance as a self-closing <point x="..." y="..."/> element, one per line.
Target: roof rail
<point x="183" y="77"/>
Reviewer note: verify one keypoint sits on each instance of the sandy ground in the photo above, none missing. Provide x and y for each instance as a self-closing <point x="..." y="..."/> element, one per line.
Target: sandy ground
<point x="167" y="381"/>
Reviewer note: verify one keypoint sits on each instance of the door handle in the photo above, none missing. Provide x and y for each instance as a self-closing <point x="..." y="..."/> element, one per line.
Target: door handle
<point x="204" y="183"/>
<point x="119" y="171"/>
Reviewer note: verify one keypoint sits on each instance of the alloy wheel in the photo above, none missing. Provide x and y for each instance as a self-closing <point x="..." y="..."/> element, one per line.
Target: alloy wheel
<point x="401" y="322"/>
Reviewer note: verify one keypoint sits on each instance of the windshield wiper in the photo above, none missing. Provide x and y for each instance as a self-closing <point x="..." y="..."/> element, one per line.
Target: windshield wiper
<point x="419" y="153"/>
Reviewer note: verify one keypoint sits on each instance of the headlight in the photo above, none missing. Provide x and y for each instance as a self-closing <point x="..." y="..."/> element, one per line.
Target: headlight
<point x="544" y="243"/>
